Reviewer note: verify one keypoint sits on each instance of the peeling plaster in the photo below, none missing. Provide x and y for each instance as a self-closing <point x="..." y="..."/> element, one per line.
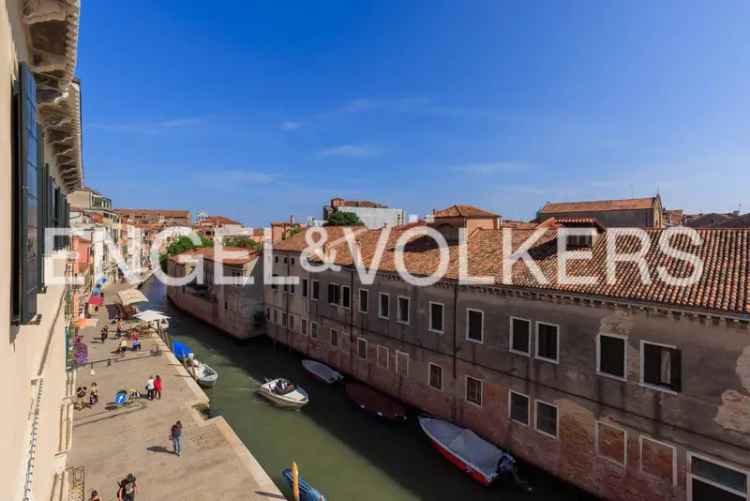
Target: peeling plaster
<point x="734" y="412"/>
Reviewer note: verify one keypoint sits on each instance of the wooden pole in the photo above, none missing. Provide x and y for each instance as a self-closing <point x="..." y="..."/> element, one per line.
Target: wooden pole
<point x="295" y="481"/>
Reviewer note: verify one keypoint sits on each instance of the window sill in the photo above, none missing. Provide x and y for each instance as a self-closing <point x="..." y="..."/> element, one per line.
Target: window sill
<point x="526" y="354"/>
<point x="549" y="360"/>
<point x="433" y="331"/>
<point x="662" y="389"/>
<point x="554" y="437"/>
<point x="612" y="376"/>
<point x="475" y="341"/>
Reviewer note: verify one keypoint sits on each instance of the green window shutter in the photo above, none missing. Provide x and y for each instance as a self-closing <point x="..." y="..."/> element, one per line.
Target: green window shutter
<point x="27" y="211"/>
<point x="42" y="170"/>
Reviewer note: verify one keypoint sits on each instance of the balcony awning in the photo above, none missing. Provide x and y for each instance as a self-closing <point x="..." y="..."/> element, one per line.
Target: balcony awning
<point x="151" y="316"/>
<point x="132" y="296"/>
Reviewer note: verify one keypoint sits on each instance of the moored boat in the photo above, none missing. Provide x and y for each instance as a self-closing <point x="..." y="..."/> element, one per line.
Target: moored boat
<point x="181" y="350"/>
<point x="470" y="453"/>
<point x="306" y="491"/>
<point x="321" y="371"/>
<point x="205" y="375"/>
<point x="284" y="393"/>
<point x="375" y="402"/>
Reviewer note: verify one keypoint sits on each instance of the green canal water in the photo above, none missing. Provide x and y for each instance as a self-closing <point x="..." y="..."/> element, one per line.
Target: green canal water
<point x="344" y="453"/>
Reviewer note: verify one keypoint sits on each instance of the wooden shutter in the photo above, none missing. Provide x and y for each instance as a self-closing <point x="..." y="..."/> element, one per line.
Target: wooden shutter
<point x="42" y="169"/>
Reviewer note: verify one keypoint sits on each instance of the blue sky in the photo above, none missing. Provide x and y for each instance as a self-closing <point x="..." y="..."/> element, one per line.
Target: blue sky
<point x="261" y="110"/>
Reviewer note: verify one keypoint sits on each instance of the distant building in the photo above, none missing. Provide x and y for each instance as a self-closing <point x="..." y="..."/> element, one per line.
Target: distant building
<point x="631" y="212"/>
<point x="156" y="216"/>
<point x="207" y="225"/>
<point x="372" y="214"/>
<point x="718" y="220"/>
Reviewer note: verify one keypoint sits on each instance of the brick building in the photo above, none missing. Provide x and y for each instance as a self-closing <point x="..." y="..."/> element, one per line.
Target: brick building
<point x="626" y="390"/>
<point x="632" y="212"/>
<point x="166" y="217"/>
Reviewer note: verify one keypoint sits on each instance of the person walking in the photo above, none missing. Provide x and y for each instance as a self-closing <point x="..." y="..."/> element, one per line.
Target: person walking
<point x="95" y="496"/>
<point x="175" y="435"/>
<point x="80" y="395"/>
<point x="136" y="342"/>
<point x="157" y="386"/>
<point x="127" y="489"/>
<point x="150" y="388"/>
<point x="93" y="394"/>
<point x="123" y="346"/>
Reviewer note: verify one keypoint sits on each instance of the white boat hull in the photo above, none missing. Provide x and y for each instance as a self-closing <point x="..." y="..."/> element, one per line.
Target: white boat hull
<point x="293" y="400"/>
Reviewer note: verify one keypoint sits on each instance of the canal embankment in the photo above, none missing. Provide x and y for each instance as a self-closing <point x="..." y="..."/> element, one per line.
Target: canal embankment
<point x="109" y="441"/>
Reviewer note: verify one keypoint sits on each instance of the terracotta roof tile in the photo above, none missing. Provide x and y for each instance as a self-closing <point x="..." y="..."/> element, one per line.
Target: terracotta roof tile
<point x="602" y="205"/>
<point x="463" y="211"/>
<point x="208" y="253"/>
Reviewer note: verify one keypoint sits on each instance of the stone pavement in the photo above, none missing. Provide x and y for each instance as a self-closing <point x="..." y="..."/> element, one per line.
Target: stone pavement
<point x="111" y="442"/>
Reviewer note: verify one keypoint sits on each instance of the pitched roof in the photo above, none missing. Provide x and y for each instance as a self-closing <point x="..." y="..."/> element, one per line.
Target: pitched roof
<point x="737" y="222"/>
<point x="463" y="211"/>
<point x="217" y="221"/>
<point x="208" y="253"/>
<point x="724" y="285"/>
<point x="599" y="205"/>
<point x="154" y="212"/>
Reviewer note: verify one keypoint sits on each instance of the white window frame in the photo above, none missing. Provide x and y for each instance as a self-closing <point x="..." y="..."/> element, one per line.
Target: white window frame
<point x="387" y="357"/>
<point x="599" y="422"/>
<point x="468" y="326"/>
<point x="341" y="296"/>
<point x="642" y="368"/>
<point x="557" y="419"/>
<point x="599" y="356"/>
<point x="408" y="310"/>
<point x="442" y="317"/>
<point x="303" y="324"/>
<point x="510" y="346"/>
<point x="674" y="457"/>
<point x="359" y="301"/>
<point x="380" y="306"/>
<point x="331" y="332"/>
<point x="407" y="363"/>
<point x="334" y="284"/>
<point x="316" y="329"/>
<point x="536" y="342"/>
<point x="466" y="391"/>
<point x="367" y="348"/>
<point x="690" y="475"/>
<point x="313" y="283"/>
<point x="528" y="408"/>
<point x="429" y="373"/>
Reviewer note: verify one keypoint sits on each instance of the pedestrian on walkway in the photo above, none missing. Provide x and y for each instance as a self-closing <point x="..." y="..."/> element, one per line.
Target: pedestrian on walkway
<point x="104" y="333"/>
<point x="123" y="346"/>
<point x="95" y="496"/>
<point x="93" y="395"/>
<point x="80" y="395"/>
<point x="136" y="342"/>
<point x="175" y="435"/>
<point x="150" y="388"/>
<point x="127" y="489"/>
<point x="157" y="386"/>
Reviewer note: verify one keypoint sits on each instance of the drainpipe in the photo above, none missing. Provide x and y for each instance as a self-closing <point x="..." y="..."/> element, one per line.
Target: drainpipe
<point x="455" y="328"/>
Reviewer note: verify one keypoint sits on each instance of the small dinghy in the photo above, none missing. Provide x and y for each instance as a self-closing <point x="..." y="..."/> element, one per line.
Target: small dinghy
<point x="375" y="402"/>
<point x="470" y="453"/>
<point x="181" y="351"/>
<point x="306" y="491"/>
<point x="205" y="375"/>
<point x="284" y="393"/>
<point x="322" y="371"/>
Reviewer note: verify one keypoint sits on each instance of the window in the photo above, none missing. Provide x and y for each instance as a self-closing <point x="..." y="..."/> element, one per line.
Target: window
<point x="402" y="363"/>
<point x="520" y="336"/>
<point x="611" y="355"/>
<point x="304" y="287"/>
<point x="383" y="305"/>
<point x="283" y="319"/>
<point x="611" y="442"/>
<point x="291" y="288"/>
<point x="474" y="325"/>
<point x="291" y="323"/>
<point x="334" y="337"/>
<point x="276" y="259"/>
<point x="346" y="296"/>
<point x="712" y="480"/>
<point x="334" y="293"/>
<point x="30" y="187"/>
<point x="547" y="341"/>
<point x="661" y="366"/>
<point x="291" y="261"/>
<point x="303" y="326"/>
<point x="268" y="313"/>
<point x="546" y="418"/>
<point x="286" y="260"/>
<point x="383" y="361"/>
<point x="403" y="309"/>
<point x="226" y="305"/>
<point x="314" y="329"/>
<point x="435" y="376"/>
<point x="518" y="407"/>
<point x="275" y="316"/>
<point x="362" y="348"/>
<point x="364" y="297"/>
<point x="315" y="290"/>
<point x="436" y="317"/>
<point x="658" y="459"/>
<point x="274" y="285"/>
<point x="474" y="390"/>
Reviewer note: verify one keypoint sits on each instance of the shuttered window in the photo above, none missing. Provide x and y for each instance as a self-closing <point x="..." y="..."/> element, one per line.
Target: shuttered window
<point x="28" y="215"/>
<point x="662" y="366"/>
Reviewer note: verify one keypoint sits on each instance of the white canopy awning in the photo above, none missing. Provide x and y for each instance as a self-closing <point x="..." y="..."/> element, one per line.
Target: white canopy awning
<point x="132" y="296"/>
<point x="151" y="316"/>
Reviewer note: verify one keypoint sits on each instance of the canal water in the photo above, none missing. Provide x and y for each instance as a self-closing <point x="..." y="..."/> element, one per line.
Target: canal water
<point x="344" y="453"/>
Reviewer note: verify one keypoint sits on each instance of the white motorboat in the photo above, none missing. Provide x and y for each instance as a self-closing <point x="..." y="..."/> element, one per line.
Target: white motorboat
<point x="205" y="375"/>
<point x="322" y="371"/>
<point x="284" y="393"/>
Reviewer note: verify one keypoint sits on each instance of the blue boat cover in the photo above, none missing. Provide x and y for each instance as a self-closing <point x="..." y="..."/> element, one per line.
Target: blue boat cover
<point x="306" y="491"/>
<point x="181" y="351"/>
<point x="121" y="397"/>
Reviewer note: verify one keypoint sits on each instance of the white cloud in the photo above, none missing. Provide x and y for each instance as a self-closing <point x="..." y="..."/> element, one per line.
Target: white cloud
<point x="290" y="125"/>
<point x="348" y="150"/>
